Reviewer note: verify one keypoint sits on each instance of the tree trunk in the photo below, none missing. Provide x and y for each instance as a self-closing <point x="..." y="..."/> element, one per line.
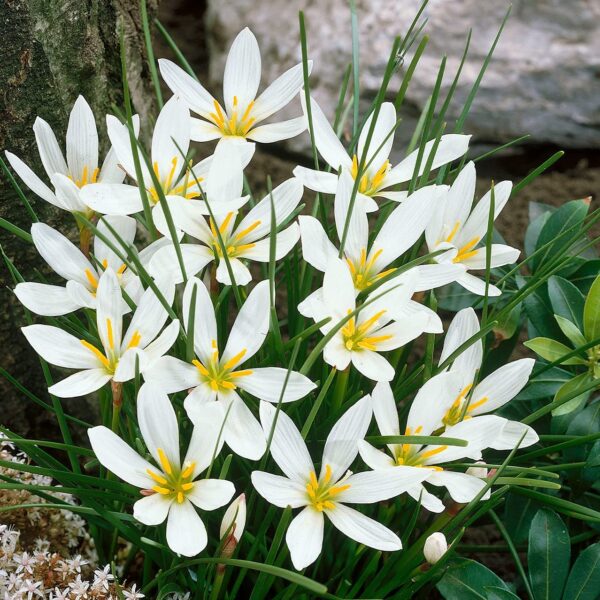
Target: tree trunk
<point x="52" y="51"/>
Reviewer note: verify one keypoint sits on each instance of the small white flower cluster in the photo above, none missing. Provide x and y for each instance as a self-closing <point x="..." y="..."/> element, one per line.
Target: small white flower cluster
<point x="366" y="306"/>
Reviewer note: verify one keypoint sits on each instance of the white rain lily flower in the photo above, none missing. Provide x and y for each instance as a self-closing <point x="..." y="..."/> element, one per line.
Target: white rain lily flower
<point x="242" y="111"/>
<point x="435" y="547"/>
<point x="81" y="166"/>
<point x="380" y="176"/>
<point x="370" y="263"/>
<point x="425" y="418"/>
<point x="215" y="376"/>
<point x="379" y="327"/>
<point x="170" y="486"/>
<point x="81" y="273"/>
<point x="178" y="180"/>
<point x="249" y="239"/>
<point x="335" y="486"/>
<point x="115" y="357"/>
<point x="460" y="229"/>
<point x="490" y="393"/>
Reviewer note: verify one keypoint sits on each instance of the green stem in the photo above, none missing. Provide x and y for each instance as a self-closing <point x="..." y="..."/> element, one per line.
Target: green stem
<point x="341" y="383"/>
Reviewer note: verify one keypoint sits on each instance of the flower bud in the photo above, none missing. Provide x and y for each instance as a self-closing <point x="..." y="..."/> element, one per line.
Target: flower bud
<point x="435" y="547"/>
<point x="234" y="519"/>
<point x="480" y="472"/>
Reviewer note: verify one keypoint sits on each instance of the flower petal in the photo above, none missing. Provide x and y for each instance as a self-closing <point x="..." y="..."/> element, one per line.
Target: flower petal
<point x="152" y="510"/>
<point x="275" y="132"/>
<point x="113" y="228"/>
<point x="279" y="490"/>
<point x="172" y="375"/>
<point x="304" y="537"/>
<point x="363" y="529"/>
<point x="186" y="87"/>
<point x="210" y="494"/>
<point x="205" y="324"/>
<point x="186" y="533"/>
<point x="243" y="433"/>
<point x="50" y="152"/>
<point x="242" y="72"/>
<point x="158" y="424"/>
<point x="373" y="365"/>
<point x="251" y="325"/>
<point x="280" y="93"/>
<point x="268" y="383"/>
<point x="382" y="137"/>
<point x="109" y="311"/>
<point x="382" y="484"/>
<point x="59" y="347"/>
<point x="461" y="487"/>
<point x="287" y="446"/>
<point x="341" y="446"/>
<point x="82" y="141"/>
<point x="165" y="262"/>
<point x="120" y="458"/>
<point x="317" y="248"/>
<point x="44" y="299"/>
<point x="171" y="139"/>
<point x="81" y="383"/>
<point x="374" y="458"/>
<point x="31" y="180"/>
<point x="112" y="198"/>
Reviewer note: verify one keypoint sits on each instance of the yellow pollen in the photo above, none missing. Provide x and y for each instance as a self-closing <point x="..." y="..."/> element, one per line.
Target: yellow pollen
<point x="369" y="186"/>
<point x="321" y="493"/>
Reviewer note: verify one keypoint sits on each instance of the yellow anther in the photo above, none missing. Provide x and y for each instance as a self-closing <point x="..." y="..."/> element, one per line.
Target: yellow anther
<point x="321" y="493"/>
<point x="158" y="478"/>
<point x="135" y="340"/>
<point x="235" y="360"/>
<point x="188" y="470"/>
<point x="453" y="232"/>
<point x="109" y="333"/>
<point x="164" y="461"/>
<point x="241" y="234"/>
<point x="429" y="453"/>
<point x="180" y="497"/>
<point x="99" y="355"/>
<point x="477" y="404"/>
<point x="162" y="490"/>
<point x="465" y="252"/>
<point x="93" y="281"/>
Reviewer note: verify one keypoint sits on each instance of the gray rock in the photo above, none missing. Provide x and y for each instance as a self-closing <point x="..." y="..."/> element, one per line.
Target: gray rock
<point x="544" y="79"/>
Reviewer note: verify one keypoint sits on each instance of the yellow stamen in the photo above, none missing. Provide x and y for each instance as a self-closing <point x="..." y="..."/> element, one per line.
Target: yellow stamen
<point x="92" y="279"/>
<point x="158" y="478"/>
<point x="429" y="453"/>
<point x="453" y="232"/>
<point x="135" y="340"/>
<point x="235" y="360"/>
<point x="189" y="470"/>
<point x="109" y="332"/>
<point x="161" y="490"/>
<point x="477" y="404"/>
<point x="97" y="352"/>
<point x="203" y="370"/>
<point x="465" y="252"/>
<point x="164" y="461"/>
<point x="241" y="234"/>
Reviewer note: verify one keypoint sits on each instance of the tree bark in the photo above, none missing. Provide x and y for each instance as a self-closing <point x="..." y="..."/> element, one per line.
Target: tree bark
<point x="52" y="51"/>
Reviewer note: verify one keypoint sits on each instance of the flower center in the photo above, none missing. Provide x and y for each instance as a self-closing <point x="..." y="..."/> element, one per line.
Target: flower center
<point x="359" y="338"/>
<point x="369" y="185"/>
<point x="238" y="124"/>
<point x="93" y="279"/>
<point x="84" y="177"/>
<point x="172" y="481"/>
<point x="457" y="412"/>
<point x="186" y="185"/>
<point x="221" y="376"/>
<point x="361" y="270"/>
<point x="406" y="455"/>
<point x="321" y="493"/>
<point x="234" y="244"/>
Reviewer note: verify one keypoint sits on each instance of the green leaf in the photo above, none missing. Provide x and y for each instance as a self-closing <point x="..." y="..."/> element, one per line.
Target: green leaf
<point x="585" y="275"/>
<point x="546" y="384"/>
<point x="567" y="301"/>
<point x="567" y="217"/>
<point x="551" y="350"/>
<point x="571" y="331"/>
<point x="584" y="580"/>
<point x="568" y="388"/>
<point x="380" y="440"/>
<point x="496" y="593"/>
<point x="549" y="555"/>
<point x="591" y="312"/>
<point x="467" y="579"/>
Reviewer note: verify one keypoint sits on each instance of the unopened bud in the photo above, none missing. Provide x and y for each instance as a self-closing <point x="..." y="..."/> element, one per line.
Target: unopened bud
<point x="480" y="472"/>
<point x="234" y="519"/>
<point x="435" y="547"/>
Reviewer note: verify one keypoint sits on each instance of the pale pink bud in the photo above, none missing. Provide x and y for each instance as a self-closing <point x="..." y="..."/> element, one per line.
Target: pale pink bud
<point x="435" y="547"/>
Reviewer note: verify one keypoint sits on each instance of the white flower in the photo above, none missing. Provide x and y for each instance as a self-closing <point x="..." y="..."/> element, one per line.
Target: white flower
<point x="243" y="111"/>
<point x="215" y="376"/>
<point x="133" y="593"/>
<point x="172" y="486"/>
<point x="425" y="418"/>
<point x="370" y="262"/>
<point x="103" y="578"/>
<point x="379" y="176"/>
<point x="458" y="228"/>
<point x="82" y="274"/>
<point x="234" y="519"/>
<point x="249" y="239"/>
<point x="435" y="547"/>
<point x="81" y="166"/>
<point x="378" y="327"/>
<point x="178" y="180"/>
<point x="115" y="356"/>
<point x="328" y="493"/>
<point x="491" y="392"/>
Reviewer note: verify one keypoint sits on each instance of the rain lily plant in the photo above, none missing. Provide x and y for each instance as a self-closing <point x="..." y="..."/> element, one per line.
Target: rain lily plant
<point x="317" y="347"/>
